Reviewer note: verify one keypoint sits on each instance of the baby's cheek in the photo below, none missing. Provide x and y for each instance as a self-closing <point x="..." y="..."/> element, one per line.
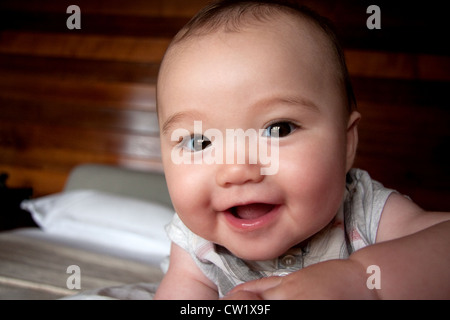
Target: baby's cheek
<point x="189" y="195"/>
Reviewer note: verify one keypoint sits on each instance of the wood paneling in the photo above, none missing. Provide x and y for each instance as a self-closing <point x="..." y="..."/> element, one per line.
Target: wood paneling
<point x="74" y="96"/>
<point x="69" y="97"/>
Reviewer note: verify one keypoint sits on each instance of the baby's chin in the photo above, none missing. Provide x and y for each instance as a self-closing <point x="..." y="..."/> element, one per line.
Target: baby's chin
<point x="263" y="251"/>
<point x="252" y="253"/>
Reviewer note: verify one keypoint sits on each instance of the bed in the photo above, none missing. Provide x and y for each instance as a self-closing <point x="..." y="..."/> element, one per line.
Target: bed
<point x="102" y="237"/>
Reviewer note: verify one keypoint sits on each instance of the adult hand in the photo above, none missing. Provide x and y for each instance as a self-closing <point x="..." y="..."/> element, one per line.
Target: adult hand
<point x="334" y="279"/>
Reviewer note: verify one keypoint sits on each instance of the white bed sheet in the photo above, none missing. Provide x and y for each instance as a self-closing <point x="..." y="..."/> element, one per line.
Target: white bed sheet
<point x="34" y="266"/>
<point x="139" y="254"/>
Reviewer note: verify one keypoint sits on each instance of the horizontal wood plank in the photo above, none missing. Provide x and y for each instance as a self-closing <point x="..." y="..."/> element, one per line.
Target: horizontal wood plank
<point x="397" y="65"/>
<point x="79" y="116"/>
<point x="111" y="95"/>
<point x="131" y="49"/>
<point x="25" y="136"/>
<point x="64" y="159"/>
<point x="61" y="68"/>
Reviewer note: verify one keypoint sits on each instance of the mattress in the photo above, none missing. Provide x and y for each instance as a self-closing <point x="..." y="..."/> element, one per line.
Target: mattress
<point x="34" y="266"/>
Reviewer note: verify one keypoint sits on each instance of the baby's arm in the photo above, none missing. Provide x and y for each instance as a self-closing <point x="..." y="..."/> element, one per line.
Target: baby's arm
<point x="184" y="280"/>
<point x="412" y="253"/>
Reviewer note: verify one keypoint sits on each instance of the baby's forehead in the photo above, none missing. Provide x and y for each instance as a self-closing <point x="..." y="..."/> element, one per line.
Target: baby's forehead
<point x="299" y="33"/>
<point x="288" y="27"/>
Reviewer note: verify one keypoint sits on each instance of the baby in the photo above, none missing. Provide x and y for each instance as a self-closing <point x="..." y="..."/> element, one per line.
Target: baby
<point x="269" y="74"/>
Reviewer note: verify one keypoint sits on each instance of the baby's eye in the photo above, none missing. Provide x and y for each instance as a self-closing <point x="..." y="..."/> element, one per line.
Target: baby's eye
<point x="195" y="142"/>
<point x="280" y="129"/>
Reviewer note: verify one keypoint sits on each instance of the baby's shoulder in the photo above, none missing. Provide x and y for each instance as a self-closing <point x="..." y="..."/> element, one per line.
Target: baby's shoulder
<point x="363" y="206"/>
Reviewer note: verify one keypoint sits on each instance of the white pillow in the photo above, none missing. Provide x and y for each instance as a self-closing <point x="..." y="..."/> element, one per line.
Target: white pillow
<point x="103" y="218"/>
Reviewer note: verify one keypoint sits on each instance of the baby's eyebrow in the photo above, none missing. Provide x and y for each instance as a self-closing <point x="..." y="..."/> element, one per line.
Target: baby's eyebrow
<point x="193" y="115"/>
<point x="288" y="100"/>
<point x="179" y="117"/>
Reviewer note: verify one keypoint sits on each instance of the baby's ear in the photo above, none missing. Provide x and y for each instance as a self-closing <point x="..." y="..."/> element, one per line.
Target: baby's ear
<point x="352" y="138"/>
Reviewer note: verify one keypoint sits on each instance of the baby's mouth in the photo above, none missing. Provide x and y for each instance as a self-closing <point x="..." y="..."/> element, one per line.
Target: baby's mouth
<point x="251" y="211"/>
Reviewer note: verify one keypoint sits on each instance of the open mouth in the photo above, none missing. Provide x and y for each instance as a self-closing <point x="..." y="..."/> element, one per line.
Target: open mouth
<point x="251" y="211"/>
<point x="253" y="216"/>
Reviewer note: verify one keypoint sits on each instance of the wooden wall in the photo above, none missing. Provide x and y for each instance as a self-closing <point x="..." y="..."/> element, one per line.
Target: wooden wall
<point x="74" y="96"/>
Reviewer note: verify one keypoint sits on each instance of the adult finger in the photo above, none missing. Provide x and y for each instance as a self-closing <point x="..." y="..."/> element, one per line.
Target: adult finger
<point x="242" y="295"/>
<point x="257" y="286"/>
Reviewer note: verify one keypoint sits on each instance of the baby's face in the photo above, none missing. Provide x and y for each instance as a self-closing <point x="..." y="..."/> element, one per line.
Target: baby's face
<point x="267" y="78"/>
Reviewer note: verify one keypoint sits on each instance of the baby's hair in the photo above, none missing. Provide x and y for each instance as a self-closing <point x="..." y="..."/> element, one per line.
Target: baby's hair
<point x="231" y="14"/>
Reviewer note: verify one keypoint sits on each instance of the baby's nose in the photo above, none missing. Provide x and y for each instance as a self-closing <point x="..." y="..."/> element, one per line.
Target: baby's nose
<point x="238" y="174"/>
